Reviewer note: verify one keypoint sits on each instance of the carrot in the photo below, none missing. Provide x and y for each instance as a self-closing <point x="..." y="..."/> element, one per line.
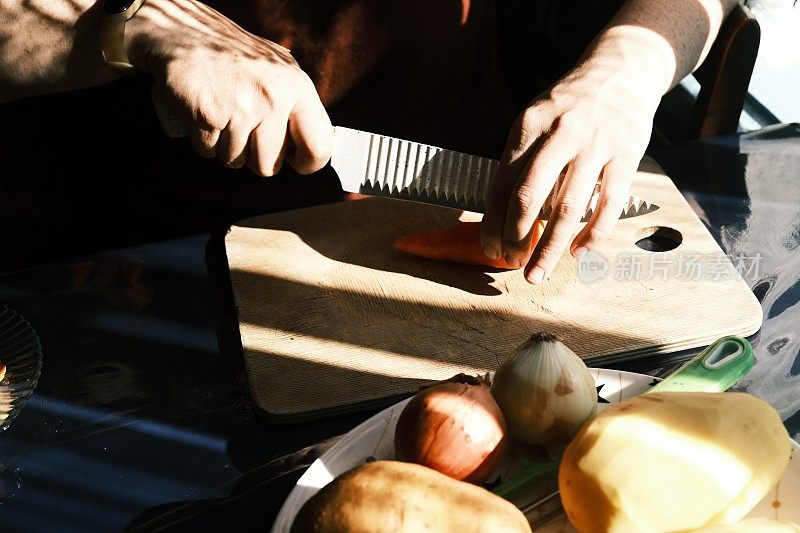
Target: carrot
<point x="460" y="243"/>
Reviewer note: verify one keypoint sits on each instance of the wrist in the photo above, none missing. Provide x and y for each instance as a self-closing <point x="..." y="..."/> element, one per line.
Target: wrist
<point x="147" y="28"/>
<point x="632" y="60"/>
<point x="112" y="35"/>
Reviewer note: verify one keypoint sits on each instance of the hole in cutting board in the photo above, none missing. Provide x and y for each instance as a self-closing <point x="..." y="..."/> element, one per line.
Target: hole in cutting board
<point x="659" y="239"/>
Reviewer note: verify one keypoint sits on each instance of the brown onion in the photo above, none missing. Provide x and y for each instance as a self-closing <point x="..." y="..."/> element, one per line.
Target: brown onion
<point x="454" y="427"/>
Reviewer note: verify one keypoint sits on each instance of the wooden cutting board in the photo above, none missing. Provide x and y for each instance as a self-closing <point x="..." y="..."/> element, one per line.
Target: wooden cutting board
<point x="332" y="319"/>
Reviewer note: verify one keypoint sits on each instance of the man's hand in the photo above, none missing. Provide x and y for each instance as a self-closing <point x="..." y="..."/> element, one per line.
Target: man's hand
<point x="589" y="127"/>
<point x="241" y="98"/>
<point x="594" y="124"/>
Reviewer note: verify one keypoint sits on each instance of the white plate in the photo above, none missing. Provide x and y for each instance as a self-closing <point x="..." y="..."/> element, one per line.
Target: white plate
<point x="375" y="438"/>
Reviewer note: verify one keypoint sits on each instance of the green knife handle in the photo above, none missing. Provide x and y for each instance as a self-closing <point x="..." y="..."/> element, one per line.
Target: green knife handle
<point x="715" y="369"/>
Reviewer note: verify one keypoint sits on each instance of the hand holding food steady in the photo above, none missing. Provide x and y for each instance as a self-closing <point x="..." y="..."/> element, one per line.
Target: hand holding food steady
<point x="593" y="124"/>
<point x="575" y="127"/>
<point x="241" y="98"/>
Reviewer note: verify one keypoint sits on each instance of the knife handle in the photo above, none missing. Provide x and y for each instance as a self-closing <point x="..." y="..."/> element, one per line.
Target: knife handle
<point x="715" y="369"/>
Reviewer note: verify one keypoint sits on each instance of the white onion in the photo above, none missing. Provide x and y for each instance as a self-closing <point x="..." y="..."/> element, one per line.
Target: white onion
<point x="545" y="391"/>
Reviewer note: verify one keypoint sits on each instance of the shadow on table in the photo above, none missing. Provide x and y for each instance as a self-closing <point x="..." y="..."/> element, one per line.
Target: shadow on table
<point x="253" y="504"/>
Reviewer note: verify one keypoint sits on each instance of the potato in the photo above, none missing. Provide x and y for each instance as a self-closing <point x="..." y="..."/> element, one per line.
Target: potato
<point x="404" y="497"/>
<point x="673" y="461"/>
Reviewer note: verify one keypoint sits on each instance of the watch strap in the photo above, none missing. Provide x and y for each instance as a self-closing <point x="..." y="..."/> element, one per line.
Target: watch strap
<point x="112" y="36"/>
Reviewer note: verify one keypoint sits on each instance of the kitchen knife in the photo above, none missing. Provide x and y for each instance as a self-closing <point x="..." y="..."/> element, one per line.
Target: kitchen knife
<point x="378" y="165"/>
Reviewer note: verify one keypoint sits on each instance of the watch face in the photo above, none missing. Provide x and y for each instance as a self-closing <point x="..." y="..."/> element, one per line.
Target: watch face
<point x="115" y="7"/>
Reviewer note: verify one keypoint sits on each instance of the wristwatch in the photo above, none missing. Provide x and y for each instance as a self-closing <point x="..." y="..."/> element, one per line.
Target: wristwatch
<point x="114" y="15"/>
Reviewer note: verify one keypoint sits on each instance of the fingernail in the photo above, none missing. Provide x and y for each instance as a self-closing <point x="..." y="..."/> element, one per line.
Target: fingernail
<point x="536" y="276"/>
<point x="491" y="252"/>
<point x="579" y="251"/>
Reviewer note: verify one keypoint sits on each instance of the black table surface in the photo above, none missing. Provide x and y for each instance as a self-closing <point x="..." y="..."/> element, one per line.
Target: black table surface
<point x="142" y="417"/>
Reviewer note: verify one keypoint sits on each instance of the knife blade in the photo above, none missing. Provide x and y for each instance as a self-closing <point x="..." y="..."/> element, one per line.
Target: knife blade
<point x="379" y="165"/>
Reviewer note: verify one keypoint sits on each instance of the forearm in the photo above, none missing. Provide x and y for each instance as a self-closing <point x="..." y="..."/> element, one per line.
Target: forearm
<point x="49" y="46"/>
<point x="653" y="44"/>
<point x="54" y="45"/>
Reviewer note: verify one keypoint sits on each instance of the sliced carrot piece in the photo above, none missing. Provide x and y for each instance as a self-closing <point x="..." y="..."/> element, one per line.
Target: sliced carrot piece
<point x="460" y="243"/>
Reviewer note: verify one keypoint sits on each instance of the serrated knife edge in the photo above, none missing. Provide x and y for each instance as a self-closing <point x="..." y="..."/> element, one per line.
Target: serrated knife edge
<point x="370" y="163"/>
